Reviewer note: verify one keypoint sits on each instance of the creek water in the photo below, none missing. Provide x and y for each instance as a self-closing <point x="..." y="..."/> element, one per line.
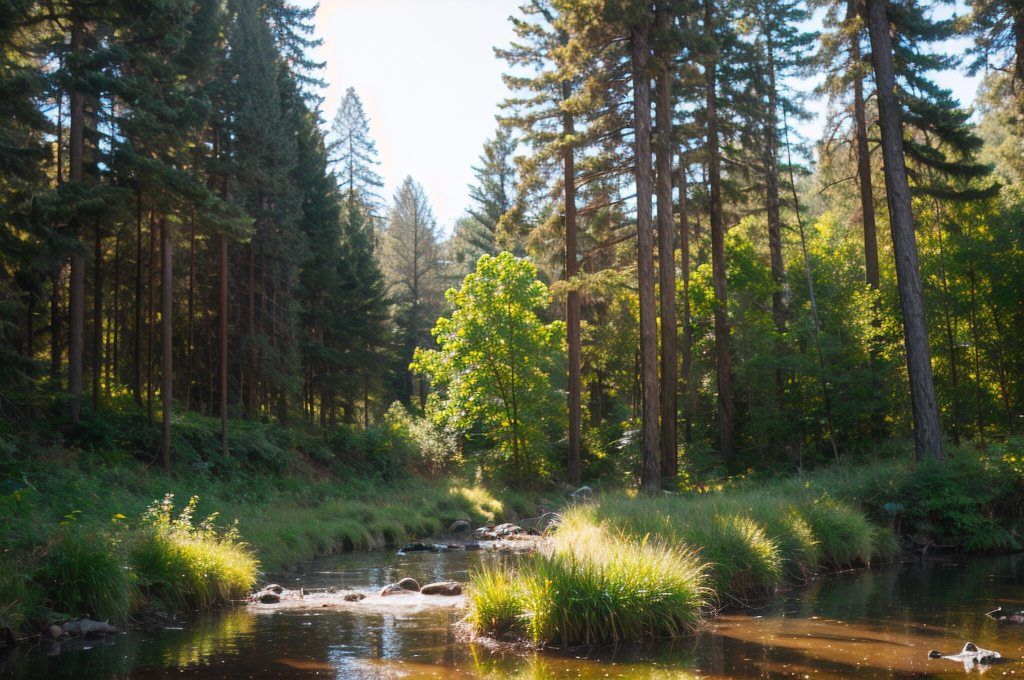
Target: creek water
<point x="873" y="623"/>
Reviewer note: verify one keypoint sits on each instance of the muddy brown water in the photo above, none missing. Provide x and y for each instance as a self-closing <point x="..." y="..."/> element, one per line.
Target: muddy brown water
<point x="877" y="623"/>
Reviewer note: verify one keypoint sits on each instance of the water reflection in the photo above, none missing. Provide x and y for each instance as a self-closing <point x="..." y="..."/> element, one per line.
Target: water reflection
<point x="870" y="624"/>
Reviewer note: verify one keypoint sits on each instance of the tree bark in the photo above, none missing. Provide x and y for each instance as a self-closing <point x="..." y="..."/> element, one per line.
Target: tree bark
<point x="222" y="280"/>
<point x="666" y="259"/>
<point x="927" y="431"/>
<point x="115" y="313"/>
<point x="684" y="259"/>
<point x="152" y="317"/>
<point x="191" y="315"/>
<point x="137" y="329"/>
<point x="867" y="198"/>
<point x="572" y="304"/>
<point x="76" y="301"/>
<point x="719" y="282"/>
<point x="650" y="474"/>
<point x="97" y="315"/>
<point x="771" y="185"/>
<point x="166" y="333"/>
<point x="56" y="351"/>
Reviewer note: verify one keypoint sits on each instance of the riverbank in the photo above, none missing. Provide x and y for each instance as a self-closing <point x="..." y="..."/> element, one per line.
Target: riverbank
<point x="628" y="568"/>
<point x="88" y="528"/>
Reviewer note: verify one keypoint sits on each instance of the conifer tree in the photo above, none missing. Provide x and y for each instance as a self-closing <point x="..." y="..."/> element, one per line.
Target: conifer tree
<point x="410" y="259"/>
<point x="354" y="152"/>
<point x="927" y="433"/>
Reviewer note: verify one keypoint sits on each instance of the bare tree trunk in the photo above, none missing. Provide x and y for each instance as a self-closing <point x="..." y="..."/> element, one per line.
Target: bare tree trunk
<point x="771" y="185"/>
<point x="950" y="341"/>
<point x="250" y="362"/>
<point x="191" y="314"/>
<point x="572" y="305"/>
<point x="56" y="321"/>
<point x="650" y="473"/>
<point x="115" y="315"/>
<point x="222" y="280"/>
<point x="927" y="431"/>
<point x="97" y="315"/>
<point x="867" y="199"/>
<point x="684" y="257"/>
<point x="76" y="302"/>
<point x="666" y="259"/>
<point x="137" y="330"/>
<point x="719" y="282"/>
<point x="152" y="317"/>
<point x="166" y="349"/>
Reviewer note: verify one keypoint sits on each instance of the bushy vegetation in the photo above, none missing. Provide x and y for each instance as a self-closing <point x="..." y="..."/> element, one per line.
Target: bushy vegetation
<point x="89" y="529"/>
<point x="591" y="586"/>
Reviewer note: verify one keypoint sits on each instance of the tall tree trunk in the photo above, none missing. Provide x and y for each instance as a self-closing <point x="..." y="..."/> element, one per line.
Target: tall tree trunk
<point x="954" y="373"/>
<point x="191" y="315"/>
<point x="152" y="316"/>
<point x="166" y="344"/>
<point x="250" y="400"/>
<point x="719" y="282"/>
<point x="666" y="258"/>
<point x="684" y="259"/>
<point x="56" y="351"/>
<point x="867" y="199"/>
<point x="76" y="301"/>
<point x="650" y="473"/>
<point x="97" y="315"/>
<point x="927" y="431"/>
<point x="137" y="328"/>
<point x="771" y="185"/>
<point x="222" y="359"/>
<point x="115" y="315"/>
<point x="572" y="303"/>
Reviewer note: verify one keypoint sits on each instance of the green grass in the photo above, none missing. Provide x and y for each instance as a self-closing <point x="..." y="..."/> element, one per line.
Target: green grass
<point x="591" y="587"/>
<point x="86" y="575"/>
<point x="20" y="601"/>
<point x="187" y="567"/>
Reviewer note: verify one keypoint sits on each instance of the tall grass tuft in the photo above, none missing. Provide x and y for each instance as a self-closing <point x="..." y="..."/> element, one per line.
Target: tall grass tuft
<point x="191" y="567"/>
<point x="84" y="575"/>
<point x="496" y="602"/>
<point x="20" y="605"/>
<point x="845" y="535"/>
<point x="592" y="587"/>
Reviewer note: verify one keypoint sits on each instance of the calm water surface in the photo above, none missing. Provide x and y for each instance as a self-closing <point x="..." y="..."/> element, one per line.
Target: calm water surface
<point x="877" y="623"/>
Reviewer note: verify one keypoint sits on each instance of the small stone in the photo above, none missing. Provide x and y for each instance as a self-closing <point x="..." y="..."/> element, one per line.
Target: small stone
<point x="55" y="632"/>
<point x="354" y="597"/>
<point x="274" y="588"/>
<point x="459" y="525"/>
<point x="409" y="584"/>
<point x="269" y="598"/>
<point x="442" y="588"/>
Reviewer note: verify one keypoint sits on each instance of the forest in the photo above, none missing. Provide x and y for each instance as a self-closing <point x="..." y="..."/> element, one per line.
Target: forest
<point x="774" y="355"/>
<point x="184" y="232"/>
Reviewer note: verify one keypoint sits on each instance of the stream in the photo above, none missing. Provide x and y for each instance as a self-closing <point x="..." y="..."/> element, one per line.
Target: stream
<point x="874" y="623"/>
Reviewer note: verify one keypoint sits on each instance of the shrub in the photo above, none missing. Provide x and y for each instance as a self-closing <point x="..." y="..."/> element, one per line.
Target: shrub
<point x="191" y="567"/>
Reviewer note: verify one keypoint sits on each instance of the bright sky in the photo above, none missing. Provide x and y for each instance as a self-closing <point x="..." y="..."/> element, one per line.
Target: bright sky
<point x="428" y="78"/>
<point x="429" y="81"/>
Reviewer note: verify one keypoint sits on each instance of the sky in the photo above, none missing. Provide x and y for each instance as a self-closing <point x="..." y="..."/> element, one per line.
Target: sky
<point x="431" y="85"/>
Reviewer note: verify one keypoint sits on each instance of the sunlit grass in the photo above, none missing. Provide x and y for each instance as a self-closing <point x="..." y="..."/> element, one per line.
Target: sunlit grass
<point x="590" y="586"/>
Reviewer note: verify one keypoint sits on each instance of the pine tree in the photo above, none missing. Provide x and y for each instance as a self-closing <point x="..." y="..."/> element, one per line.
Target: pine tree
<point x="411" y="263"/>
<point x="927" y="432"/>
<point x="354" y="152"/>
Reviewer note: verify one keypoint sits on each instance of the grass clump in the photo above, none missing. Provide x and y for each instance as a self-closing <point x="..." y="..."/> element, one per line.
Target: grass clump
<point x="496" y="602"/>
<point x="846" y="537"/>
<point x="191" y="567"/>
<point x="592" y="587"/>
<point x="20" y="602"/>
<point x="85" y="575"/>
